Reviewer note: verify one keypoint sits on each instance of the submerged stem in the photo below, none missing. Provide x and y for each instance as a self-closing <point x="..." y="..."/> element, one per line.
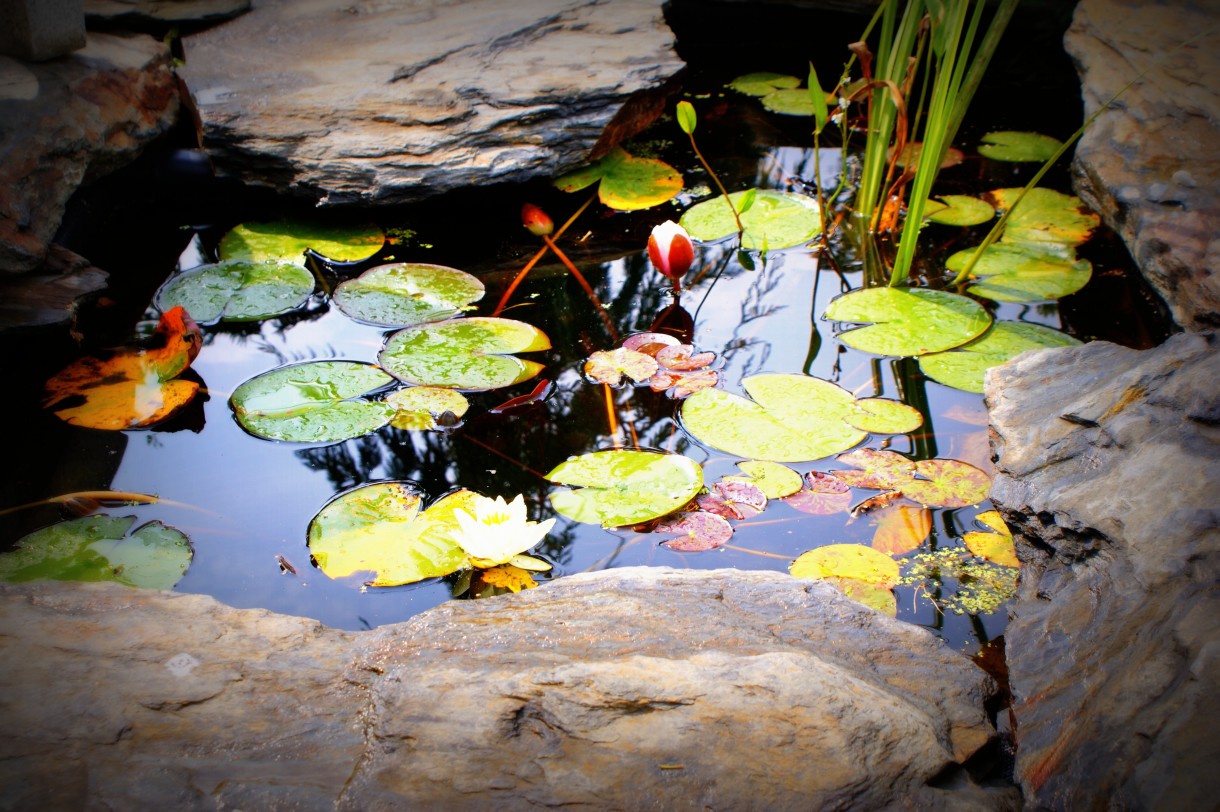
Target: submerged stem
<point x="512" y="287"/>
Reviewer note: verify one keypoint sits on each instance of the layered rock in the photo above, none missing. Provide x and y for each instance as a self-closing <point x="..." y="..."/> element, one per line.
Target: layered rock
<point x="1108" y="459"/>
<point x="349" y="102"/>
<point x="69" y="120"/>
<point x="631" y="689"/>
<point x="1151" y="163"/>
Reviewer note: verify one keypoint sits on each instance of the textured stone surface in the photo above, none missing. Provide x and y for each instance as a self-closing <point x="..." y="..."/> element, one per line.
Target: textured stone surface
<point x="69" y="120"/>
<point x="166" y="11"/>
<point x="366" y="102"/>
<point x="1151" y="164"/>
<point x="51" y="294"/>
<point x="643" y="688"/>
<point x="1108" y="460"/>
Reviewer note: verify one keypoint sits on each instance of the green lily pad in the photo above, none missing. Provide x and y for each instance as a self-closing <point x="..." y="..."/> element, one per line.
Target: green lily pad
<point x="377" y="535"/>
<point x="314" y="402"/>
<point x="883" y="416"/>
<point x="1045" y="218"/>
<point x="774" y="480"/>
<point x="407" y="293"/>
<point x="418" y="407"/>
<point x="99" y="548"/>
<point x="236" y="290"/>
<point x="905" y="321"/>
<point x="960" y="210"/>
<point x="624" y="486"/>
<point x="1009" y="145"/>
<point x="287" y="241"/>
<point x="628" y="183"/>
<point x="1015" y="273"/>
<point x="790" y="418"/>
<point x="472" y="354"/>
<point x="963" y="367"/>
<point x="762" y="83"/>
<point x="776" y="220"/>
<point x="789" y="102"/>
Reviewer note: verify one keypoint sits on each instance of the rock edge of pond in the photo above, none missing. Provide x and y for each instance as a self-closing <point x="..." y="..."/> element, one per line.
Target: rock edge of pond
<point x="635" y="688"/>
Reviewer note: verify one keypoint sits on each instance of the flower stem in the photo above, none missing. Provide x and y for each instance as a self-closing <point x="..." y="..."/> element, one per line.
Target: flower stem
<point x="512" y="287"/>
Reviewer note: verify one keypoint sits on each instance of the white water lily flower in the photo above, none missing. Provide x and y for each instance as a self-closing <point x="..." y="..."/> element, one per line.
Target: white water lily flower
<point x="497" y="530"/>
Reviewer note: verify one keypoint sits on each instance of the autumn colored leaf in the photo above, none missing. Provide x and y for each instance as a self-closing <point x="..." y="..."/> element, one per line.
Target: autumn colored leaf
<point x="996" y="546"/>
<point x="823" y="495"/>
<point x="609" y="366"/>
<point x="901" y="529"/>
<point x="932" y="483"/>
<point x="682" y="384"/>
<point x="847" y="561"/>
<point x="683" y="358"/>
<point x="129" y="387"/>
<point x="874" y="596"/>
<point x="504" y="578"/>
<point x="649" y="343"/>
<point x="881" y="469"/>
<point x="875" y="503"/>
<point x="420" y="407"/>
<point x="699" y="531"/>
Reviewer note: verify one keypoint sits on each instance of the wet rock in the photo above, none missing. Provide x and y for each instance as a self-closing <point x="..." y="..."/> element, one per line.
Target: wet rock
<point x="1107" y="464"/>
<point x="348" y="102"/>
<point x="51" y="294"/>
<point x="70" y="120"/>
<point x="1151" y="164"/>
<point x="129" y="12"/>
<point x="631" y="689"/>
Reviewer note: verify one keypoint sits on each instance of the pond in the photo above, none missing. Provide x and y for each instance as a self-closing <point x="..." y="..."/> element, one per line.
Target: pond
<point x="246" y="502"/>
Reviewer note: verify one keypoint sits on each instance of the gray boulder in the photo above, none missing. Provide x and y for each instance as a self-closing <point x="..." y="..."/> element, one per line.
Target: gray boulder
<point x="1108" y="460"/>
<point x="68" y="121"/>
<point x="638" y="688"/>
<point x="1150" y="165"/>
<point x="356" y="102"/>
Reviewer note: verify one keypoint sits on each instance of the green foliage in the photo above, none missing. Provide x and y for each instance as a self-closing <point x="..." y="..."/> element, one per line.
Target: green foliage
<point x="288" y="240"/>
<point x="964" y="367"/>
<point x="405" y="293"/>
<point x="623" y="486"/>
<point x="774" y="220"/>
<point x="100" y="548"/>
<point x="627" y="183"/>
<point x="685" y="113"/>
<point x="903" y="322"/>
<point x="959" y="210"/>
<point x="1007" y="145"/>
<point x="314" y="402"/>
<point x="237" y="290"/>
<point x="474" y="354"/>
<point x="419" y="407"/>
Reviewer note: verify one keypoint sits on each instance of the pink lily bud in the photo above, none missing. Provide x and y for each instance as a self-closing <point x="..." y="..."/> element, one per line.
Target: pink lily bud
<point x="671" y="250"/>
<point x="536" y="220"/>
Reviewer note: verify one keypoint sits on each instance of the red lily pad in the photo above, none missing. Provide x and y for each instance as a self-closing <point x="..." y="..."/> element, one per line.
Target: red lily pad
<point x="609" y="366"/>
<point x="699" y="531"/>
<point x="823" y="495"/>
<point x="682" y="357"/>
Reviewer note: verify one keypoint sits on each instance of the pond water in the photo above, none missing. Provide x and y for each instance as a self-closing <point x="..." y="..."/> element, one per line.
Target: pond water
<point x="246" y="502"/>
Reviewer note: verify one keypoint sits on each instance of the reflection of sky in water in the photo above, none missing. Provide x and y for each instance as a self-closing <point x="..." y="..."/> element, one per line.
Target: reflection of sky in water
<point x="261" y="495"/>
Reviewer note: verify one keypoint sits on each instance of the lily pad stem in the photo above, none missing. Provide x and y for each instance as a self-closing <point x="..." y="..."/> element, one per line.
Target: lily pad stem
<point x="737" y="219"/>
<point x="512" y="287"/>
<point x="584" y="283"/>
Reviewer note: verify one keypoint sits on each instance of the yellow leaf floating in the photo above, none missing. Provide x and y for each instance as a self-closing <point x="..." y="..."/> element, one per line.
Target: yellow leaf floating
<point x="901" y="528"/>
<point x="506" y="576"/>
<point x="130" y="388"/>
<point x="847" y="561"/>
<point x="996" y="547"/>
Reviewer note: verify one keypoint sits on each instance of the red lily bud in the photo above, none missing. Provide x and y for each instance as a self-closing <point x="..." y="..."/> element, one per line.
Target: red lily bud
<point x="671" y="250"/>
<point x="536" y="220"/>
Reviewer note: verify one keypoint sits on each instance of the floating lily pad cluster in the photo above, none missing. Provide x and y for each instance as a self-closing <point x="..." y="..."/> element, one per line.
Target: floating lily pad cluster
<point x="778" y="92"/>
<point x="656" y="360"/>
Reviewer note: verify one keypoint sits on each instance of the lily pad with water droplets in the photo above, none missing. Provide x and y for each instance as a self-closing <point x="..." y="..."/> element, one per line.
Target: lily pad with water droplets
<point x="997" y="546"/>
<point x="314" y="402"/>
<point x="1010" y="145"/>
<point x="624" y="486"/>
<point x="964" y="367"/>
<point x="788" y="418"/>
<point x="776" y="220"/>
<point x="628" y="183"/>
<point x="1044" y="218"/>
<point x="474" y="354"/>
<point x="904" y="321"/>
<point x="99" y="548"/>
<point x="1016" y="273"/>
<point x="288" y="240"/>
<point x="406" y="293"/>
<point x="377" y="535"/>
<point x="237" y="290"/>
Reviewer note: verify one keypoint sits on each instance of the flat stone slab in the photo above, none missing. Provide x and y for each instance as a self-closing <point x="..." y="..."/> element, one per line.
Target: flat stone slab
<point x="1108" y="460"/>
<point x="1150" y="165"/>
<point x="637" y="688"/>
<point x="359" y="102"/>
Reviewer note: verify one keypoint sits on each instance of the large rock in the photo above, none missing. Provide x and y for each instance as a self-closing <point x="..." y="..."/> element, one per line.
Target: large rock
<point x="639" y="688"/>
<point x="1151" y="163"/>
<point x="387" y="102"/>
<point x="1108" y="460"/>
<point x="69" y="120"/>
